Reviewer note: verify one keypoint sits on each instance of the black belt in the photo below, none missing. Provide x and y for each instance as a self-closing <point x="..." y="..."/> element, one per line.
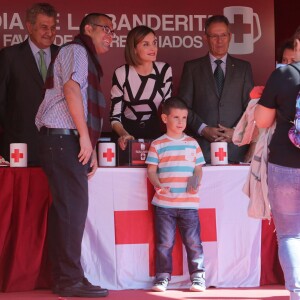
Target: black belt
<point x="58" y="131"/>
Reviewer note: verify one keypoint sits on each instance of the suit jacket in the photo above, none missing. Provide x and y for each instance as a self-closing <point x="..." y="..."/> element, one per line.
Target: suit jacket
<point x="21" y="93"/>
<point x="198" y="89"/>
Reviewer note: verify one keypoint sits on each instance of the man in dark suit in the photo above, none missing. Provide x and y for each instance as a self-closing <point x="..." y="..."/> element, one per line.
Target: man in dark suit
<point x="215" y="107"/>
<point x="21" y="81"/>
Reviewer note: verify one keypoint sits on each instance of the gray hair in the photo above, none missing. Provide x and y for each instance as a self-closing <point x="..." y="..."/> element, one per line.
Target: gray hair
<point x="40" y="8"/>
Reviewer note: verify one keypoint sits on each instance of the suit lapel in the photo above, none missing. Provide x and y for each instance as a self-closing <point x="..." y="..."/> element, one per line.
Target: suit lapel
<point x="30" y="63"/>
<point x="230" y="67"/>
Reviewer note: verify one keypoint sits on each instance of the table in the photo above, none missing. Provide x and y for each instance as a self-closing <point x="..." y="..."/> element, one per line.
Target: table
<point x="25" y="199"/>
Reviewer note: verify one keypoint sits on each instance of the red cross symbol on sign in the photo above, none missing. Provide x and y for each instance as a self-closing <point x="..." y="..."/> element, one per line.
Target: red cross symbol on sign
<point x="136" y="227"/>
<point x="16" y="155"/>
<point x="109" y="154"/>
<point x="239" y="28"/>
<point x="221" y="154"/>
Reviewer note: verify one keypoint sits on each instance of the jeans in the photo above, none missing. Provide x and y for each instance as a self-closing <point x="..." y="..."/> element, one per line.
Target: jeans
<point x="165" y="230"/>
<point x="284" y="196"/>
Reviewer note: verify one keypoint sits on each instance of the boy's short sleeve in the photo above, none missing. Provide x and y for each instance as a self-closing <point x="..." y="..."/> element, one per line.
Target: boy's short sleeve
<point x="199" y="156"/>
<point x="152" y="157"/>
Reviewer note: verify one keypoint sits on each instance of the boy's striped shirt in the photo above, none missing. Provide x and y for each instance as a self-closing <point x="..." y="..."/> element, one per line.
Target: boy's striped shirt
<point x="176" y="160"/>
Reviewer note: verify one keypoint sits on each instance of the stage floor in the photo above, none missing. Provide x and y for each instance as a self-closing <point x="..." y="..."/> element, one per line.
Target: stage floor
<point x="273" y="292"/>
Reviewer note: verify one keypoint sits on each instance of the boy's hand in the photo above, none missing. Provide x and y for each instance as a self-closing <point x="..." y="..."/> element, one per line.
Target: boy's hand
<point x="193" y="184"/>
<point x="162" y="190"/>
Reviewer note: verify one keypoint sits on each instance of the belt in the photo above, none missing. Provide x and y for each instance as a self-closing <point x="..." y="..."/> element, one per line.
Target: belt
<point x="58" y="131"/>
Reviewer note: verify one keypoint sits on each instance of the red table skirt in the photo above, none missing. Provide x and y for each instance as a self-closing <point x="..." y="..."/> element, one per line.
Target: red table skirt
<point x="24" y="202"/>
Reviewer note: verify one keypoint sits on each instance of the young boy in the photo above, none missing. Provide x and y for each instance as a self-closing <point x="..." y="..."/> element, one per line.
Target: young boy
<point x="175" y="169"/>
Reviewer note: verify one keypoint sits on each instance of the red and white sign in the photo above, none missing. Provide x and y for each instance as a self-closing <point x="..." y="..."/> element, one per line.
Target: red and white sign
<point x="18" y="155"/>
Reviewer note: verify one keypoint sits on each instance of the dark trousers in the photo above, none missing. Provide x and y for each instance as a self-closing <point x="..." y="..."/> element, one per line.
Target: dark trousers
<point x="69" y="187"/>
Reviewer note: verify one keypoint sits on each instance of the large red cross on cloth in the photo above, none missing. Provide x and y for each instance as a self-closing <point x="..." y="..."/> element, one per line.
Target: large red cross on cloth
<point x="136" y="227"/>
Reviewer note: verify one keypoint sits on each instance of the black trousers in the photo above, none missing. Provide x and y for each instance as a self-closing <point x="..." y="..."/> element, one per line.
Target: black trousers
<point x="67" y="215"/>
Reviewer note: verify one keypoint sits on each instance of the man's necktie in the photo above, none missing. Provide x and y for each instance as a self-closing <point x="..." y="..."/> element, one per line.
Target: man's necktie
<point x="219" y="76"/>
<point x="42" y="64"/>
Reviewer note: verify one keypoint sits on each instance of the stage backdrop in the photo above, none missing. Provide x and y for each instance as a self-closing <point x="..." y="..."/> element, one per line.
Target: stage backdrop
<point x="179" y="27"/>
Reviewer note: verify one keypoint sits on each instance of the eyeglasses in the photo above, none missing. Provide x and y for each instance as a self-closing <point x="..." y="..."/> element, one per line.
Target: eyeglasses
<point x="106" y="29"/>
<point x="215" y="37"/>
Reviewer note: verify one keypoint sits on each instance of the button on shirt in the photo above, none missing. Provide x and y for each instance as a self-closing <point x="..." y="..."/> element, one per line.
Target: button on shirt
<point x="71" y="63"/>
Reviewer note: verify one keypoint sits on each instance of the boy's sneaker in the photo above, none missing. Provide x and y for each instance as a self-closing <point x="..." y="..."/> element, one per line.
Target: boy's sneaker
<point x="160" y="285"/>
<point x="198" y="285"/>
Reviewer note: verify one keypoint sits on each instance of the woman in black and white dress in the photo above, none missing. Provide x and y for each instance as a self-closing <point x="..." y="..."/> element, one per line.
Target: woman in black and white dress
<point x="138" y="88"/>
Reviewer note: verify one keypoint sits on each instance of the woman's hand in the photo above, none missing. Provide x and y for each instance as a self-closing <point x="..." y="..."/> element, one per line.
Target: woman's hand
<point x="123" y="140"/>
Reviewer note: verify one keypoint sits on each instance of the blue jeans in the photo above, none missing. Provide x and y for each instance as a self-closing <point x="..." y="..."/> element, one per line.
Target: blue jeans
<point x="284" y="196"/>
<point x="165" y="230"/>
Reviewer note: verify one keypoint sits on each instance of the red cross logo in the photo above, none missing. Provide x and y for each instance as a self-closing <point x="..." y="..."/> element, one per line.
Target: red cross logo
<point x="239" y="28"/>
<point x="109" y="154"/>
<point x="16" y="155"/>
<point x="137" y="227"/>
<point x="221" y="154"/>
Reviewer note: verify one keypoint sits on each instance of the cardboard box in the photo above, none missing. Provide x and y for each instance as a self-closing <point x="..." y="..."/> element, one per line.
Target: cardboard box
<point x="135" y="154"/>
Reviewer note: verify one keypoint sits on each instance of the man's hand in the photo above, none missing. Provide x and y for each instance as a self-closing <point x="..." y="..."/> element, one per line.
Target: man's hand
<point x="94" y="165"/>
<point x="227" y="134"/>
<point x="86" y="149"/>
<point x="218" y="134"/>
<point x="213" y="134"/>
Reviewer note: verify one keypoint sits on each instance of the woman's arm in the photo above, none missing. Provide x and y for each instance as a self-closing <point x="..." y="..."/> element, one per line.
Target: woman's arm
<point x="263" y="116"/>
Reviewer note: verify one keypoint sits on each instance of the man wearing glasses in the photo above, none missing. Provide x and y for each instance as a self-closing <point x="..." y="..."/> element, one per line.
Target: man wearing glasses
<point x="69" y="121"/>
<point x="216" y="89"/>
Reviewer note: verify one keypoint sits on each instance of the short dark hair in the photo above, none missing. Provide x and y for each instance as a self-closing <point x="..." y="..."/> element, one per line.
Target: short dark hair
<point x="90" y="19"/>
<point x="40" y="8"/>
<point x="135" y="36"/>
<point x="215" y="19"/>
<point x="173" y="102"/>
<point x="288" y="44"/>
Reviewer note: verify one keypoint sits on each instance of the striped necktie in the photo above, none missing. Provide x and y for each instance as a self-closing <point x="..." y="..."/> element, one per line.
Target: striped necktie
<point x="42" y="64"/>
<point x="219" y="76"/>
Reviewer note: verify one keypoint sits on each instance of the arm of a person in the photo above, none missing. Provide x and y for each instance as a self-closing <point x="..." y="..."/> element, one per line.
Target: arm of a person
<point x="74" y="100"/>
<point x="117" y="98"/>
<point x="153" y="177"/>
<point x="124" y="136"/>
<point x="197" y="173"/>
<point x="264" y="117"/>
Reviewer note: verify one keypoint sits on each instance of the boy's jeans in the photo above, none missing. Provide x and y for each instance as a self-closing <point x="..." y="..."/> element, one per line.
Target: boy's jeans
<point x="165" y="230"/>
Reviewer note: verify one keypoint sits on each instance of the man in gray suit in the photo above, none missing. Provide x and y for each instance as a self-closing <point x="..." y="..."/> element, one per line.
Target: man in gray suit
<point x="21" y="81"/>
<point x="216" y="98"/>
